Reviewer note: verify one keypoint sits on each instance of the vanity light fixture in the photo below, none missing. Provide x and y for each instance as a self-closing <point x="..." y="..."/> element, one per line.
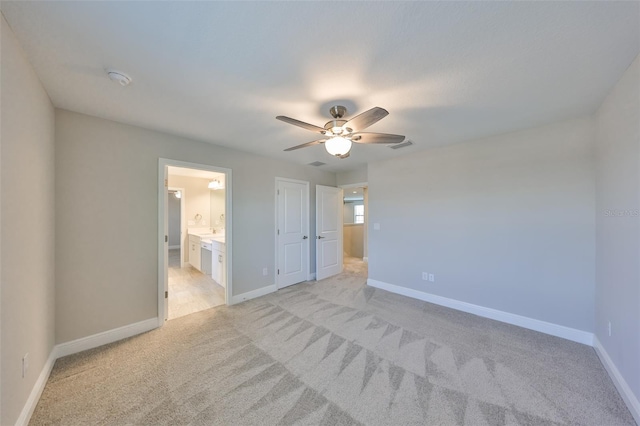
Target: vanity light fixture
<point x="215" y="185"/>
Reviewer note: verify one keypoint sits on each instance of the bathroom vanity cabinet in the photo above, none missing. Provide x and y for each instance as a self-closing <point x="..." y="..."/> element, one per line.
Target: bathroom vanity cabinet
<point x="194" y="252"/>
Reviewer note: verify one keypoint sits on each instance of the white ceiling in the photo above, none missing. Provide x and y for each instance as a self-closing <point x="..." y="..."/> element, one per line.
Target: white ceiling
<point x="353" y="194"/>
<point x="221" y="71"/>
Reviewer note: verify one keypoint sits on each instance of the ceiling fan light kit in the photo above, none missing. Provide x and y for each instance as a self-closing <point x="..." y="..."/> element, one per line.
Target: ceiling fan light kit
<point x="339" y="135"/>
<point x="215" y="185"/>
<point x="338" y="146"/>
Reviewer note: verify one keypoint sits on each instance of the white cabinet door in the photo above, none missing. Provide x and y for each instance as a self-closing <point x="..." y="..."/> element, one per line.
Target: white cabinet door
<point x="194" y="252"/>
<point x="215" y="266"/>
<point x="217" y="269"/>
<point x="223" y="269"/>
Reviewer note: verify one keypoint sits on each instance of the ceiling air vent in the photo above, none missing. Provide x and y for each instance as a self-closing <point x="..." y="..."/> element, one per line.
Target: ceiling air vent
<point x="317" y="163"/>
<point x="401" y="145"/>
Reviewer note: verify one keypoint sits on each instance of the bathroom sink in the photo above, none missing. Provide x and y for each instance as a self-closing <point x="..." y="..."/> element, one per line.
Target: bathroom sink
<point x="208" y="235"/>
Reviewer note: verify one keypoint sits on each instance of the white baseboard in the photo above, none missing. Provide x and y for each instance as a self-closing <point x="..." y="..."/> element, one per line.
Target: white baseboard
<point x="621" y="384"/>
<point x="75" y="346"/>
<point x="365" y="259"/>
<point x="109" y="336"/>
<point x="573" y="334"/>
<point x="36" y="392"/>
<point x="174" y="247"/>
<point x="253" y="294"/>
<point x="312" y="276"/>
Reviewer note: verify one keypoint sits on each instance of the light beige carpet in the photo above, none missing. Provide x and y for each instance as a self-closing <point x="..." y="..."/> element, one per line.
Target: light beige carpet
<point x="334" y="352"/>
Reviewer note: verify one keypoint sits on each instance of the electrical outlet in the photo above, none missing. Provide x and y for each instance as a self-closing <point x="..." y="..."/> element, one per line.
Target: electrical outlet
<point x="25" y="365"/>
<point x="265" y="271"/>
<point x="609" y="328"/>
<point x="432" y="277"/>
<point x="425" y="276"/>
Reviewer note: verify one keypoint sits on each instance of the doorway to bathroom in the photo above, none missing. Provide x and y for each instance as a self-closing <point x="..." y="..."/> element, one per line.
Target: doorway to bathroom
<point x="194" y="238"/>
<point x="355" y="228"/>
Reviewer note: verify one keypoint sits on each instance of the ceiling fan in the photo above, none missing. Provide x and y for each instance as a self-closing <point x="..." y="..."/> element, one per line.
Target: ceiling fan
<point x="338" y="134"/>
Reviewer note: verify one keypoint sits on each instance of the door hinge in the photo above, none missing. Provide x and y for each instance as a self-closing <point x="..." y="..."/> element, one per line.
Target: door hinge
<point x="166" y="239"/>
<point x="278" y="271"/>
<point x="278" y="232"/>
<point x="278" y="192"/>
<point x="166" y="183"/>
<point x="166" y="294"/>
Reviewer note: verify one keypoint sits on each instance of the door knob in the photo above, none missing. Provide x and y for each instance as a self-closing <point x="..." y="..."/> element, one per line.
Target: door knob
<point x="305" y="237"/>
<point x="320" y="236"/>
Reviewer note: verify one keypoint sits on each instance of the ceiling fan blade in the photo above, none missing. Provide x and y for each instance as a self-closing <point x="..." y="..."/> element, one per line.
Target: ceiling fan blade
<point x="366" y="119"/>
<point x="301" y="124"/>
<point x="383" y="138"/>
<point x="304" y="145"/>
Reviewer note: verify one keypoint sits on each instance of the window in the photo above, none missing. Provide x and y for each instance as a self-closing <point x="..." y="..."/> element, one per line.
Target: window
<point x="358" y="214"/>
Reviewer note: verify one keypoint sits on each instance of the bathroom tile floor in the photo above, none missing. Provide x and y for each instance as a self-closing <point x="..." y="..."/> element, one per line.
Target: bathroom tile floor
<point x="189" y="289"/>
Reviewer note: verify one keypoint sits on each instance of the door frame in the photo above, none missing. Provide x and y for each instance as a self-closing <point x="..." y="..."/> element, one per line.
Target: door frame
<point x="183" y="228"/>
<point x="278" y="179"/>
<point x="163" y="185"/>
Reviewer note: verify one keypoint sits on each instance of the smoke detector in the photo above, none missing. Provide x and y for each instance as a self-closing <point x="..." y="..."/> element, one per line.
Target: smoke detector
<point x="119" y="77"/>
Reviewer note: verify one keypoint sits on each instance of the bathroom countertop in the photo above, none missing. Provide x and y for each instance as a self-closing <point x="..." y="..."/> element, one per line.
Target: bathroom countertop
<point x="206" y="236"/>
<point x="217" y="239"/>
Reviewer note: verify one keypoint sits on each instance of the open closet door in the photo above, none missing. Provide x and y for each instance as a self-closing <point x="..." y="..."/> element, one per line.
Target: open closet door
<point x="328" y="231"/>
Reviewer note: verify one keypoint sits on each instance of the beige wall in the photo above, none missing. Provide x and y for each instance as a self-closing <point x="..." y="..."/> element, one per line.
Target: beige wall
<point x="175" y="221"/>
<point x="348" y="210"/>
<point x="217" y="209"/>
<point x="505" y="222"/>
<point x="107" y="279"/>
<point x="357" y="175"/>
<point x="353" y="242"/>
<point x="618" y="226"/>
<point x="27" y="227"/>
<point x="197" y="200"/>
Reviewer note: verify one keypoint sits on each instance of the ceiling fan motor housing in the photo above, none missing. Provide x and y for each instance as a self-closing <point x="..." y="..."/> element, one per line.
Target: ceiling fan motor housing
<point x="338" y="111"/>
<point x="335" y="126"/>
<point x="339" y="134"/>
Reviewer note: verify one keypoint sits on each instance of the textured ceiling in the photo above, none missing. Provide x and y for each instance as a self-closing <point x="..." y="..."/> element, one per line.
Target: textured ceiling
<point x="221" y="71"/>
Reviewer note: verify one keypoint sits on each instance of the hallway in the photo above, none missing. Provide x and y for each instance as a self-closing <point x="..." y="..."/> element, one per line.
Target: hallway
<point x="355" y="266"/>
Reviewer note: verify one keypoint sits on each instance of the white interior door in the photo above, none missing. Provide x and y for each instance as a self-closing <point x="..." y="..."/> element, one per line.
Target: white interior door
<point x="165" y="247"/>
<point x="328" y="231"/>
<point x="292" y="232"/>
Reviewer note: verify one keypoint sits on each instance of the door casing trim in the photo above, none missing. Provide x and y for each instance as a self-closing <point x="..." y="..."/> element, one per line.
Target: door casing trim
<point x="163" y="164"/>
